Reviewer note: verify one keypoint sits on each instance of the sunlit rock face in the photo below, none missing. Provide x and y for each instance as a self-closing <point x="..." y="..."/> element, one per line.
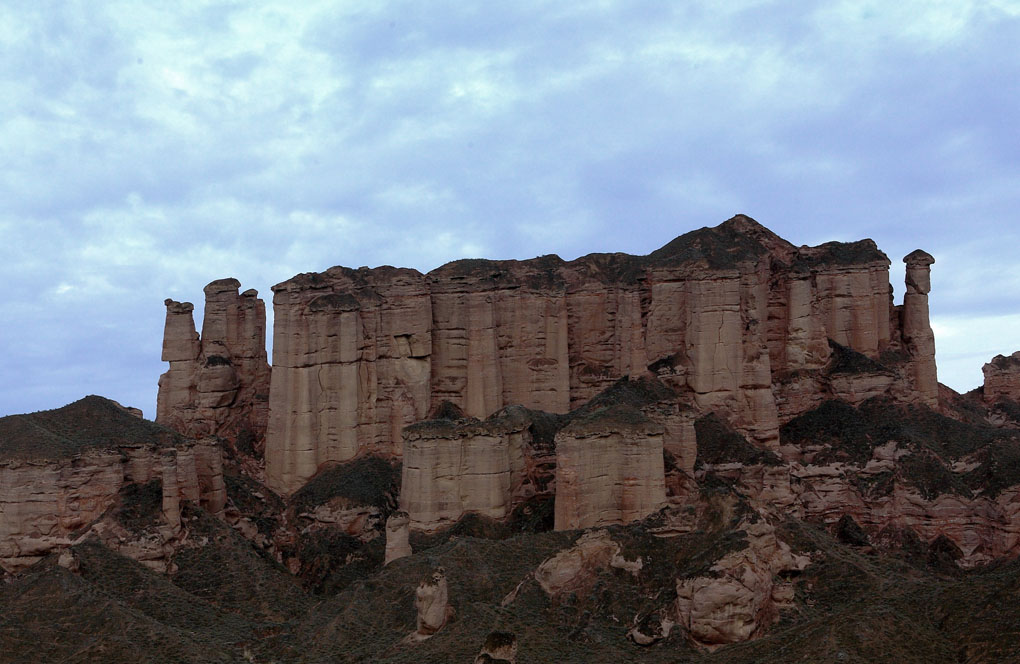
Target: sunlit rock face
<point x="217" y="384"/>
<point x="734" y="317"/>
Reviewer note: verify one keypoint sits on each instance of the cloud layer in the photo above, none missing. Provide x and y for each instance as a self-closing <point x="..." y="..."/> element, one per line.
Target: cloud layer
<point x="146" y="151"/>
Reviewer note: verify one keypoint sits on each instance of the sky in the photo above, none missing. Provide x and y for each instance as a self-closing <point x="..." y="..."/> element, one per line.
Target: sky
<point x="147" y="149"/>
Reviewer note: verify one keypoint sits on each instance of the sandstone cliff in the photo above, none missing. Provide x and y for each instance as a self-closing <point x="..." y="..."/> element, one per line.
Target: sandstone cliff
<point x="734" y="317"/>
<point x="62" y="470"/>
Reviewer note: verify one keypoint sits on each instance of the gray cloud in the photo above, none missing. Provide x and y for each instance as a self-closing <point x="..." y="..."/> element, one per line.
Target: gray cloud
<point x="145" y="151"/>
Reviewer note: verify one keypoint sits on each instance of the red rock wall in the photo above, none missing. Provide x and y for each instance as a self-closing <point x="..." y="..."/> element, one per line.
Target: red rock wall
<point x="42" y="502"/>
<point x="723" y="314"/>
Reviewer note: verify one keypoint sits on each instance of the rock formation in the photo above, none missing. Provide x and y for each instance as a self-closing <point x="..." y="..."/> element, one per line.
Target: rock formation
<point x="62" y="470"/>
<point x="397" y="533"/>
<point x="1002" y="378"/>
<point x="917" y="333"/>
<point x="731" y="316"/>
<point x="739" y="597"/>
<point x="432" y="602"/>
<point x="453" y="467"/>
<point x="609" y="469"/>
<point x="575" y="570"/>
<point x="217" y="384"/>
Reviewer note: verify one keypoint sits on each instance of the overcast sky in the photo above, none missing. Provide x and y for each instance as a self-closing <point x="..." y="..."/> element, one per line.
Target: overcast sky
<point x="148" y="148"/>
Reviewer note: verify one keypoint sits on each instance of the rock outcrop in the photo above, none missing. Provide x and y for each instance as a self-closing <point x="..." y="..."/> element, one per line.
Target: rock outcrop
<point x="432" y="602"/>
<point x="727" y="315"/>
<point x="1002" y="378"/>
<point x="575" y="570"/>
<point x="498" y="647"/>
<point x="397" y="537"/>
<point x="453" y="467"/>
<point x="604" y="462"/>
<point x="217" y="384"/>
<point x="918" y="337"/>
<point x="609" y="469"/>
<point x="740" y="597"/>
<point x="62" y="470"/>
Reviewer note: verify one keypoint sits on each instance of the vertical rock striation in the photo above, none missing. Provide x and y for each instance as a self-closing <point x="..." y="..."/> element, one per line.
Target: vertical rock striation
<point x="734" y="318"/>
<point x="609" y="469"/>
<point x="62" y="470"/>
<point x="217" y="384"/>
<point x="351" y="368"/>
<point x="918" y="337"/>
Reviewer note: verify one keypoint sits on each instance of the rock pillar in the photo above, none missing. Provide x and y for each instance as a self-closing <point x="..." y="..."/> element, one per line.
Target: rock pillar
<point x="918" y="337"/>
<point x="397" y="531"/>
<point x="432" y="600"/>
<point x="217" y="384"/>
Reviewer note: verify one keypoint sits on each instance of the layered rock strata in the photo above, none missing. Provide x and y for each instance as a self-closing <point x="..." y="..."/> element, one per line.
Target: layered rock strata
<point x="62" y="470"/>
<point x="217" y="384"/>
<point x="891" y="468"/>
<point x="723" y="314"/>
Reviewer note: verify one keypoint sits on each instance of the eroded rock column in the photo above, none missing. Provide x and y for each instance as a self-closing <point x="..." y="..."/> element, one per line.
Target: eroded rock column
<point x="217" y="384"/>
<point x="918" y="337"/>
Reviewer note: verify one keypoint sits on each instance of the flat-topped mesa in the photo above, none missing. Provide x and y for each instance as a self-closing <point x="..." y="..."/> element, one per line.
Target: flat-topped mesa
<point x="217" y="384"/>
<point x="723" y="314"/>
<point x="918" y="337"/>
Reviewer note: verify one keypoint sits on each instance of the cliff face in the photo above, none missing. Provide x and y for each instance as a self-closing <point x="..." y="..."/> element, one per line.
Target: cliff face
<point x="217" y="384"/>
<point x="62" y="470"/>
<point x="733" y="316"/>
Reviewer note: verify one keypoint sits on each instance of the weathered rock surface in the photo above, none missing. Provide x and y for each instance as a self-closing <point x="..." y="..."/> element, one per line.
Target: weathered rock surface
<point x="432" y="602"/>
<point x="1002" y="378"/>
<point x="397" y="534"/>
<point x="918" y="337"/>
<point x="609" y="469"/>
<point x="889" y="467"/>
<point x="604" y="462"/>
<point x="575" y="570"/>
<point x="62" y="470"/>
<point x="726" y="315"/>
<point x="741" y="596"/>
<point x="453" y="467"/>
<point x="217" y="384"/>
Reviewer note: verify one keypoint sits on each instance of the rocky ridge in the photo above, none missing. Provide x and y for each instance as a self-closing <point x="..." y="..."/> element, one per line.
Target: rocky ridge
<point x="729" y="450"/>
<point x="721" y="313"/>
